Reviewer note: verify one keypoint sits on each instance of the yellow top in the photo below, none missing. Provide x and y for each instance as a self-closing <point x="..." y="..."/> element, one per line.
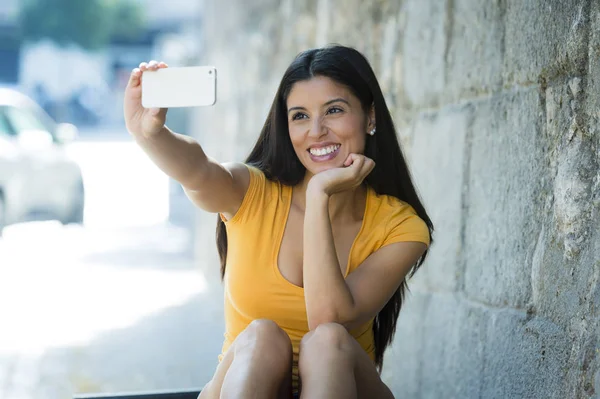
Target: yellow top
<point x="255" y="288"/>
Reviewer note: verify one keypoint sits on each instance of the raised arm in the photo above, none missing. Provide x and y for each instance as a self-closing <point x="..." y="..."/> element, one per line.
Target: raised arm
<point x="210" y="185"/>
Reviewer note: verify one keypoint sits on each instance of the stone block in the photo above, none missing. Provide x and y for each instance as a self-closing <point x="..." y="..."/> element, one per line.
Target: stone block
<point x="597" y="385"/>
<point x="525" y="358"/>
<point x="453" y="349"/>
<point x="505" y="172"/>
<point x="439" y="348"/>
<point x="401" y="368"/>
<point x="424" y="45"/>
<point x="567" y="238"/>
<point x="474" y="57"/>
<point x="437" y="162"/>
<point x="593" y="75"/>
<point x="544" y="38"/>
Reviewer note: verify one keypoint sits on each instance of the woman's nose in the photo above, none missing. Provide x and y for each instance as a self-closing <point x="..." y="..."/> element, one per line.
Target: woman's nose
<point x="317" y="129"/>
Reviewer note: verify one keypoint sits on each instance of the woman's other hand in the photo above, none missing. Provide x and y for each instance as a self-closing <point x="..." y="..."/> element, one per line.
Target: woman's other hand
<point x="356" y="168"/>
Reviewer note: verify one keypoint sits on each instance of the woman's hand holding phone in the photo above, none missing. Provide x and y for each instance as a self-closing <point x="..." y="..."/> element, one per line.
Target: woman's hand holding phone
<point x="146" y="122"/>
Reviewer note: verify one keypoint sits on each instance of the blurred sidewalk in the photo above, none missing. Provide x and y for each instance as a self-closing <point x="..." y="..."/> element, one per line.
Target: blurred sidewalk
<point x="103" y="310"/>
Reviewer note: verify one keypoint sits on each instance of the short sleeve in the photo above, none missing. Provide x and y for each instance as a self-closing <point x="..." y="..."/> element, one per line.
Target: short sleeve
<point x="407" y="228"/>
<point x="255" y="191"/>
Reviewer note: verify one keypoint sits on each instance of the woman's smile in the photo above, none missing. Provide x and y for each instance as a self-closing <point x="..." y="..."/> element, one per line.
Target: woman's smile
<point x="324" y="152"/>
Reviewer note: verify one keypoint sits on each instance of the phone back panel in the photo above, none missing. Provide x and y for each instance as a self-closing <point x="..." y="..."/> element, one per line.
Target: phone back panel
<point x="179" y="87"/>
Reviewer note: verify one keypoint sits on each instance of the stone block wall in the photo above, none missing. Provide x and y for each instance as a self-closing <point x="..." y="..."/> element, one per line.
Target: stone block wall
<point x="497" y="105"/>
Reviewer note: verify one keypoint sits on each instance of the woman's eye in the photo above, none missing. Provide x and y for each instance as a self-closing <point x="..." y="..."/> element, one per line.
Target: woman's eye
<point x="298" y="115"/>
<point x="334" y="110"/>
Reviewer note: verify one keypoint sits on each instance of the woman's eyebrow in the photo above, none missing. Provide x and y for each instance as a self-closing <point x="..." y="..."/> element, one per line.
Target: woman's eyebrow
<point x="295" y="108"/>
<point x="335" y="100"/>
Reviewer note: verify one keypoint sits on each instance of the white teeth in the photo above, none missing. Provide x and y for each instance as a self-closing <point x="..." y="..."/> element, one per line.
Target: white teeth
<point x="324" y="151"/>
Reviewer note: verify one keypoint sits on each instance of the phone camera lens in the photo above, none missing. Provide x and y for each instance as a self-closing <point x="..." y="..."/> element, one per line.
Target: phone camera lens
<point x="210" y="72"/>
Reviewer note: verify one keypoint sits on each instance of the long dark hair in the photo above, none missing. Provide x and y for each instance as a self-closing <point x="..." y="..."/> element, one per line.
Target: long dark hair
<point x="274" y="155"/>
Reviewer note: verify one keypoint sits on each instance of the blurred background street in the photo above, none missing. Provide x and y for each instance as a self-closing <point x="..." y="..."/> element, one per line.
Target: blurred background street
<point x="101" y="285"/>
<point x="117" y="304"/>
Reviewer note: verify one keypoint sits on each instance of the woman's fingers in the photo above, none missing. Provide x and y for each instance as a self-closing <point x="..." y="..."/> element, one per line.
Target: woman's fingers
<point x="134" y="79"/>
<point x="361" y="164"/>
<point x="367" y="167"/>
<point x="352" y="158"/>
<point x="348" y="160"/>
<point x="152" y="65"/>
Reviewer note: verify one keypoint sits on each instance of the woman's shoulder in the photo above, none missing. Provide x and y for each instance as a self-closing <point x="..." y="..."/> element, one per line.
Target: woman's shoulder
<point x="384" y="206"/>
<point x="262" y="180"/>
<point x="396" y="220"/>
<point x="261" y="195"/>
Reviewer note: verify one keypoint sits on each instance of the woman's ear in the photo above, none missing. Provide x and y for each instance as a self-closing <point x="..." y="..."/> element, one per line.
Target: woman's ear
<point x="371" y="116"/>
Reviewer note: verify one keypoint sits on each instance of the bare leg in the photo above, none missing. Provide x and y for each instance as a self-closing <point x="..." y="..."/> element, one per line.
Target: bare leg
<point x="257" y="365"/>
<point x="333" y="365"/>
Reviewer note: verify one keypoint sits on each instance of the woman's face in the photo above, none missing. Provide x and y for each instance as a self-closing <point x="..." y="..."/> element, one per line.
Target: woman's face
<point x="326" y="123"/>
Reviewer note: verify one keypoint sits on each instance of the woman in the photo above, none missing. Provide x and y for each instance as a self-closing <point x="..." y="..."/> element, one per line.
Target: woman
<point x="317" y="231"/>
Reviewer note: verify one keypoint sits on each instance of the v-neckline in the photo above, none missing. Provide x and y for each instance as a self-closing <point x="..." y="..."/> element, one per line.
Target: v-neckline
<point x="287" y="196"/>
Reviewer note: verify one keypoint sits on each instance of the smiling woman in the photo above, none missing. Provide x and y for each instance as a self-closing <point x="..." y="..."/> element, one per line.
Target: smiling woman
<point x="317" y="231"/>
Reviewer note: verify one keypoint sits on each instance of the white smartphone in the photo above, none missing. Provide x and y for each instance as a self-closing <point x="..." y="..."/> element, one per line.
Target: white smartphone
<point x="179" y="87"/>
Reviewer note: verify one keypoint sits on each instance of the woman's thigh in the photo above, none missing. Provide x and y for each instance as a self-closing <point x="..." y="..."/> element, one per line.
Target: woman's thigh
<point x="261" y="346"/>
<point x="332" y="343"/>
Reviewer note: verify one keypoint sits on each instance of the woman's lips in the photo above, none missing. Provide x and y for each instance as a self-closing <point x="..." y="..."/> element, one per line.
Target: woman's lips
<point x="325" y="157"/>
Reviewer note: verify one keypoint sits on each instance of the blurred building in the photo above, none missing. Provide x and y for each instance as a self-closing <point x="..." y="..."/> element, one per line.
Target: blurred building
<point x="9" y="42"/>
<point x="171" y="34"/>
<point x="84" y="87"/>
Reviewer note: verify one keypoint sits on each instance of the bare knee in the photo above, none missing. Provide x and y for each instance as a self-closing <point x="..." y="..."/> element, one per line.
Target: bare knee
<point x="327" y="342"/>
<point x="329" y="335"/>
<point x="261" y="348"/>
<point x="266" y="338"/>
<point x="330" y="346"/>
<point x="264" y="330"/>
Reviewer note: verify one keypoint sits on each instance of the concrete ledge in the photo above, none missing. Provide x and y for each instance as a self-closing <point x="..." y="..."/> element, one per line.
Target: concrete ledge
<point x="176" y="394"/>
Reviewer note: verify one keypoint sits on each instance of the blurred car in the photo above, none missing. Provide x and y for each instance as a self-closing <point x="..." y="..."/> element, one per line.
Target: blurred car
<point x="38" y="180"/>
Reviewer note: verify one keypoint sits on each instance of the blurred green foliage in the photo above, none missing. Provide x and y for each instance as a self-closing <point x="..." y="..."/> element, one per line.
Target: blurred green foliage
<point x="90" y="24"/>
